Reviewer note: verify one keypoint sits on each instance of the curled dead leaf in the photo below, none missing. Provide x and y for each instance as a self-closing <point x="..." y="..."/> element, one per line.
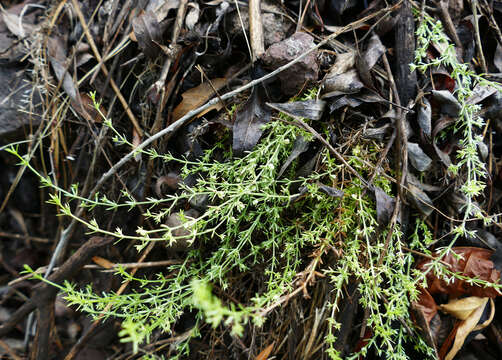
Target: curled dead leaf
<point x="464" y="307"/>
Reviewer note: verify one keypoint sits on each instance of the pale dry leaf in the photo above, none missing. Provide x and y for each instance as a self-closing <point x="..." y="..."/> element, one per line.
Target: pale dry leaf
<point x="193" y="15"/>
<point x="462" y="308"/>
<point x="265" y="353"/>
<point x="343" y="63"/>
<point x="198" y="96"/>
<point x="161" y="7"/>
<point x="16" y="26"/>
<point x="465" y="328"/>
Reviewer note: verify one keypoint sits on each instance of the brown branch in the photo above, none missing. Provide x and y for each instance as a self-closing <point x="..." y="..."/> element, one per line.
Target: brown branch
<point x="95" y="50"/>
<point x="46" y="293"/>
<point x="256" y="29"/>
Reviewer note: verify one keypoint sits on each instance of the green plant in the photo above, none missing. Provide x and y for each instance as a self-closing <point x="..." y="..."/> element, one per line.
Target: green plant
<point x="469" y="165"/>
<point x="255" y="220"/>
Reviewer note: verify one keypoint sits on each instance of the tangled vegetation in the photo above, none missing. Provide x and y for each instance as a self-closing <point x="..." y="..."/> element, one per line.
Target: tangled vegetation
<point x="278" y="230"/>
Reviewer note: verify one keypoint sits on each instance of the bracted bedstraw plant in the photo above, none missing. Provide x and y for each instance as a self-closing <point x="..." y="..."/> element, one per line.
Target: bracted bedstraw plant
<point x="469" y="165"/>
<point x="283" y="229"/>
<point x="252" y="220"/>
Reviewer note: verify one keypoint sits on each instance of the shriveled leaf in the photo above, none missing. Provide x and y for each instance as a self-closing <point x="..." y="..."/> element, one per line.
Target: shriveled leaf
<point x="384" y="206"/>
<point x="148" y="33"/>
<point x="443" y="80"/>
<point x="424" y="117"/>
<point x="161" y="7"/>
<point x="480" y="92"/>
<point x="441" y="124"/>
<point x="418" y="158"/>
<point x="136" y="140"/>
<point x="343" y="63"/>
<point x="346" y="83"/>
<point x="81" y="103"/>
<point x="376" y="133"/>
<point x="330" y="191"/>
<point x="374" y="51"/>
<point x="420" y="199"/>
<point x="464" y="329"/>
<point x="172" y="181"/>
<point x="309" y="109"/>
<point x="364" y="71"/>
<point x="16" y="26"/>
<point x="423" y="312"/>
<point x="464" y="307"/>
<point x="307" y="168"/>
<point x="497" y="58"/>
<point x="449" y="104"/>
<point x="193" y="15"/>
<point x="426" y="305"/>
<point x="57" y="58"/>
<point x="198" y="96"/>
<point x="344" y="101"/>
<point x="300" y="146"/>
<point x="265" y="353"/>
<point x="249" y="121"/>
<point x="341" y="5"/>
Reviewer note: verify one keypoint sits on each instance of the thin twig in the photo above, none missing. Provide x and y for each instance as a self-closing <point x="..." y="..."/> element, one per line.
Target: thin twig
<point x="402" y="140"/>
<point x="332" y="149"/>
<point x="256" y="29"/>
<point x="103" y="67"/>
<point x="180" y="16"/>
<point x="474" y="6"/>
<point x="8" y="350"/>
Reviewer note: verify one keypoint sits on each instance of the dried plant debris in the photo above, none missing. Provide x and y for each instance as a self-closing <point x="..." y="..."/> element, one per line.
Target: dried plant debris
<point x="331" y="192"/>
<point x="249" y="121"/>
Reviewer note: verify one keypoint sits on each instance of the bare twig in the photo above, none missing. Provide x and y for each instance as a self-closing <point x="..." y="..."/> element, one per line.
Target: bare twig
<point x="104" y="69"/>
<point x="180" y="17"/>
<point x="474" y="6"/>
<point x="402" y="143"/>
<point x="448" y="23"/>
<point x="8" y="350"/>
<point x="256" y="29"/>
<point x="330" y="148"/>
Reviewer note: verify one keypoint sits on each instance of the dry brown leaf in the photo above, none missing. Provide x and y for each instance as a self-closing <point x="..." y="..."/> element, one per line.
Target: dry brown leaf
<point x="16" y="26"/>
<point x="472" y="262"/>
<point x="463" y="308"/>
<point x="465" y="328"/>
<point x="197" y="96"/>
<point x="343" y="63"/>
<point x="107" y="264"/>
<point x="264" y="354"/>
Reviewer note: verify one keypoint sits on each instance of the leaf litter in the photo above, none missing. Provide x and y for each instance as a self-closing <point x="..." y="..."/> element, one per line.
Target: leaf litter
<point x="293" y="209"/>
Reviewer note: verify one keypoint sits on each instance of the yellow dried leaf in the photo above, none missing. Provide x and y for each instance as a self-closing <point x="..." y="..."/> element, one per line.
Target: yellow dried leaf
<point x="463" y="308"/>
<point x="465" y="328"/>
